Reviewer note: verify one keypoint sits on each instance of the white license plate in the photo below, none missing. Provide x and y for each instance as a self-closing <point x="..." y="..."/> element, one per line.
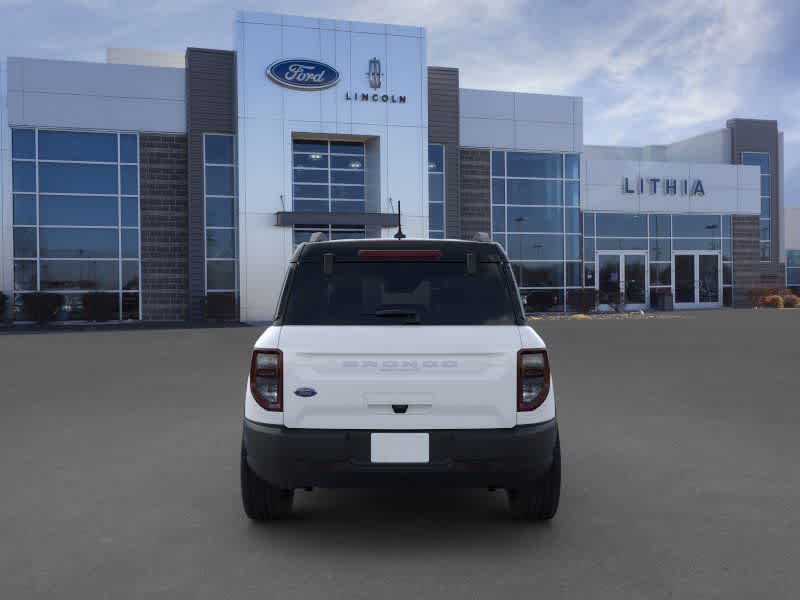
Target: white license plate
<point x="399" y="447"/>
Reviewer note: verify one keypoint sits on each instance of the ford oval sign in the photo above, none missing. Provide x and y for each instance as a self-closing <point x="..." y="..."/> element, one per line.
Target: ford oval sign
<point x="303" y="74"/>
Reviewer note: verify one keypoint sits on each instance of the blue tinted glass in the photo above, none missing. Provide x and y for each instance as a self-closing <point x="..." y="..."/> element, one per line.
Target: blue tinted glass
<point x="572" y="247"/>
<point x="573" y="166"/>
<point x="765" y="185"/>
<point x="77" y="210"/>
<point x="435" y="235"/>
<point x="529" y="164"/>
<point x="130" y="275"/>
<point x="660" y="274"/>
<point x="660" y="226"/>
<point x="25" y="242"/>
<point x="727" y="249"/>
<point x="535" y="247"/>
<point x="500" y="238"/>
<point x="347" y="192"/>
<point x="526" y="191"/>
<point x="435" y="158"/>
<point x="74" y="145"/>
<point x="78" y="243"/>
<point x="347" y="235"/>
<point x="588" y="249"/>
<point x="628" y="225"/>
<point x="573" y="274"/>
<point x="766" y="251"/>
<point x="23" y="144"/>
<point x="695" y="244"/>
<point x="572" y="220"/>
<point x="588" y="272"/>
<point x="727" y="226"/>
<point x="130" y="212"/>
<point x="793" y="277"/>
<point x="348" y="206"/>
<point x="793" y="258"/>
<point x="78" y="179"/>
<point x="128" y="151"/>
<point x="314" y="175"/>
<point x="338" y="162"/>
<point x="24" y="209"/>
<point x="572" y="190"/>
<point x="310" y="146"/>
<point x="588" y="224"/>
<point x="542" y="274"/>
<point x="80" y="275"/>
<point x="24" y="275"/>
<point x="621" y="244"/>
<point x="763" y="228"/>
<point x="219" y="212"/>
<point x="436" y="188"/>
<point x="311" y="205"/>
<point x="320" y="161"/>
<point x="23" y="176"/>
<point x="219" y="149"/>
<point x="130" y="243"/>
<point x="498" y="163"/>
<point x="220" y="243"/>
<point x="696" y="225"/>
<point x="129" y="176"/>
<point x="352" y="177"/>
<point x="221" y="274"/>
<point x="727" y="274"/>
<point x="310" y="191"/>
<point x="498" y="191"/>
<point x="219" y="181"/>
<point x="542" y="220"/>
<point x="660" y="249"/>
<point x="498" y="218"/>
<point x="347" y="148"/>
<point x="436" y="216"/>
<point x="302" y="236"/>
<point x="759" y="159"/>
<point x="765" y="208"/>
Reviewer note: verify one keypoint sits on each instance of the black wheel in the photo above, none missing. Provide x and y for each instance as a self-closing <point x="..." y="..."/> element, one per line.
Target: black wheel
<point x="539" y="501"/>
<point x="262" y="501"/>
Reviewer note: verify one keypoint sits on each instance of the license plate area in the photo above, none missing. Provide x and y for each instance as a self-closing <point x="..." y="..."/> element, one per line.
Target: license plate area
<point x="399" y="447"/>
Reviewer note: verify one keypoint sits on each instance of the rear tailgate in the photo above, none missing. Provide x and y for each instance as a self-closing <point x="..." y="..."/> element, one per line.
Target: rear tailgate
<point x="443" y="377"/>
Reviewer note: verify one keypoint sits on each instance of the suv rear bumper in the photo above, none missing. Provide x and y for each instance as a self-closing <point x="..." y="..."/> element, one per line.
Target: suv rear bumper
<point x="293" y="458"/>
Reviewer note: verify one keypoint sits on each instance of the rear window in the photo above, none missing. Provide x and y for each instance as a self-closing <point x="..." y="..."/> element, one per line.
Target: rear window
<point x="399" y="293"/>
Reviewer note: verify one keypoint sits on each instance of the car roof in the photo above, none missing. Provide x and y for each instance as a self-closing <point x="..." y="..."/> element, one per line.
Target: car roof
<point x="450" y="249"/>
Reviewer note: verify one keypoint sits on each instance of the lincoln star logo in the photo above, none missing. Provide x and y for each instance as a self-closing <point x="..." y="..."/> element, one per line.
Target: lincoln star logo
<point x="302" y="74"/>
<point x="374" y="74"/>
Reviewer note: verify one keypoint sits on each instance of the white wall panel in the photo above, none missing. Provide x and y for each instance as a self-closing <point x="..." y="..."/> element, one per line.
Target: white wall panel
<point x="407" y="80"/>
<point x="363" y="47"/>
<point x="540" y="135"/>
<point x="486" y="133"/>
<point x="541" y="107"/>
<point x="486" y="104"/>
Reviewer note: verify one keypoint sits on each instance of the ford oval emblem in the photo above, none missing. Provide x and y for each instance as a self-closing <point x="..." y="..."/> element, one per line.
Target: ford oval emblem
<point x="303" y="74"/>
<point x="305" y="392"/>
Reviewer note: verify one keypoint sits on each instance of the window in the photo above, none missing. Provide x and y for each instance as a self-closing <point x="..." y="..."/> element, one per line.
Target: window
<point x="76" y="218"/>
<point x="219" y="155"/>
<point x="761" y="160"/>
<point x="436" y="191"/>
<point x="536" y="217"/>
<point x="793" y="269"/>
<point x="328" y="176"/>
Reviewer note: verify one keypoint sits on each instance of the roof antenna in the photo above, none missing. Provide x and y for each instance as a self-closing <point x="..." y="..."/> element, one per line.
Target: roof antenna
<point x="399" y="235"/>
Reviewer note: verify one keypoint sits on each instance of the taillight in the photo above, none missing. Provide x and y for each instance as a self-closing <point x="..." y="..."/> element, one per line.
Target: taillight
<point x="266" y="379"/>
<point x="533" y="379"/>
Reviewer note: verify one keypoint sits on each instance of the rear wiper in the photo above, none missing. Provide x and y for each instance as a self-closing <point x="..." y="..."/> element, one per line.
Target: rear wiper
<point x="396" y="312"/>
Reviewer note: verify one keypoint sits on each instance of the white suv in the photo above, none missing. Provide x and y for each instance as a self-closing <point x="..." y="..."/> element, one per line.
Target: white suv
<point x="400" y="363"/>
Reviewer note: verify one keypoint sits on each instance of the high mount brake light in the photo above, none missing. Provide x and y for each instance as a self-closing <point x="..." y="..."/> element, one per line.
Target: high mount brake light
<point x="400" y="254"/>
<point x="266" y="379"/>
<point x="533" y="379"/>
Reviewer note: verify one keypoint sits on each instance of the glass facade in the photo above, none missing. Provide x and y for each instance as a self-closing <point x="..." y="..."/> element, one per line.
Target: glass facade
<point x="660" y="235"/>
<point x="536" y="217"/>
<point x="793" y="268"/>
<point x="221" y="222"/>
<point x="761" y="160"/>
<point x="76" y="218"/>
<point x="436" y="191"/>
<point x="328" y="176"/>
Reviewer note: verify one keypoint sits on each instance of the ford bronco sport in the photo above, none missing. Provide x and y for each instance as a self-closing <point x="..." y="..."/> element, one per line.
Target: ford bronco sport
<point x="400" y="363"/>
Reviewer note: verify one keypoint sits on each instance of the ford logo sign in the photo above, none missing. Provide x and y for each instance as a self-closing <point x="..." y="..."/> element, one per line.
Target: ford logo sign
<point x="305" y="392"/>
<point x="303" y="74"/>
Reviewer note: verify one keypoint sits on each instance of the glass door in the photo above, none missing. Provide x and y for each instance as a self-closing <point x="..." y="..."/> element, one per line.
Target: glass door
<point x="622" y="280"/>
<point x="697" y="280"/>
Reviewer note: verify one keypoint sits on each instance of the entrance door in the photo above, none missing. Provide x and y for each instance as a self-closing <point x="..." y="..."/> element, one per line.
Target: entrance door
<point x="622" y="280"/>
<point x="697" y="279"/>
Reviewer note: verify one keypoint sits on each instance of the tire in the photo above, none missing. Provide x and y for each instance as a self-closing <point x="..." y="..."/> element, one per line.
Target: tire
<point x="262" y="501"/>
<point x="539" y="501"/>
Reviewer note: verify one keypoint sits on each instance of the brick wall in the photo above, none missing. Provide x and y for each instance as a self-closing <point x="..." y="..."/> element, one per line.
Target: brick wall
<point x="165" y="227"/>
<point x="475" y="197"/>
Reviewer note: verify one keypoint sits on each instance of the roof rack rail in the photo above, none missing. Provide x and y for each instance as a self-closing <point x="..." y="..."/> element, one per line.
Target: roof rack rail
<point x="318" y="236"/>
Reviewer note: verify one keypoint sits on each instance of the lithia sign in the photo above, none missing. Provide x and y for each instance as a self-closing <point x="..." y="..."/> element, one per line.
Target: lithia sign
<point x="669" y="187"/>
<point x="306" y="74"/>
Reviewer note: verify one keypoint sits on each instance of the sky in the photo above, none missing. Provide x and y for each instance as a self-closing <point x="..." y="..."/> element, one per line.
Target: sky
<point x="649" y="72"/>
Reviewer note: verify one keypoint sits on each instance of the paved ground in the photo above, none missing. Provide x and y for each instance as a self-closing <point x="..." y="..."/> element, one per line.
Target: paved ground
<point x="119" y="471"/>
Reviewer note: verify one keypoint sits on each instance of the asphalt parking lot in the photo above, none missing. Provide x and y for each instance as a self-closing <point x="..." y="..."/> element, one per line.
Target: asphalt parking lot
<point x="119" y="476"/>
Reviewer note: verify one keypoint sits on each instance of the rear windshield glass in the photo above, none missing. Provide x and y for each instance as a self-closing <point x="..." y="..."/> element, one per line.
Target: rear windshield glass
<point x="399" y="293"/>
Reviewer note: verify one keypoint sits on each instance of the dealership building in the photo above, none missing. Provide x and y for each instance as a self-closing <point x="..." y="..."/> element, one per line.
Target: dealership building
<point x="181" y="183"/>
